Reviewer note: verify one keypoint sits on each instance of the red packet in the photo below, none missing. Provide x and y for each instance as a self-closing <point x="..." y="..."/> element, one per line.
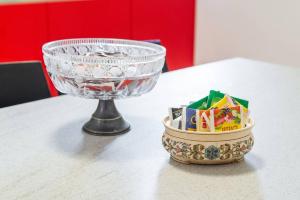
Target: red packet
<point x="124" y="84"/>
<point x="107" y="87"/>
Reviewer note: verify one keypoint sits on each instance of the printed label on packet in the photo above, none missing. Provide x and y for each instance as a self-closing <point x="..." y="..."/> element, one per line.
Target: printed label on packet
<point x="175" y="116"/>
<point x="189" y="119"/>
<point x="203" y="120"/>
<point x="217" y="120"/>
<point x="228" y="119"/>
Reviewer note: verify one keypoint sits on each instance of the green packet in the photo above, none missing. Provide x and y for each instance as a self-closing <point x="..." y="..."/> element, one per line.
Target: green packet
<point x="215" y="96"/>
<point x="201" y="104"/>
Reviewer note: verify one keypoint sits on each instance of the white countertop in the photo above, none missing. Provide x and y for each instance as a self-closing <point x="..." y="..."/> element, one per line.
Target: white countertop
<point x="45" y="155"/>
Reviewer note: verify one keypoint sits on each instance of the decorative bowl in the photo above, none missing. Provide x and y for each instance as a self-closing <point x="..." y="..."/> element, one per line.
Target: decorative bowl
<point x="104" y="69"/>
<point x="207" y="147"/>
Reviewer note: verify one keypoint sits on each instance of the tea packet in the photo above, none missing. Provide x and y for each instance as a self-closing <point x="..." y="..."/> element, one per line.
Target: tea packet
<point x="245" y="112"/>
<point x="227" y="119"/>
<point x="216" y="112"/>
<point x="203" y="122"/>
<point x="229" y="102"/>
<point x="189" y="119"/>
<point x="215" y="96"/>
<point x="225" y="102"/>
<point x="201" y="104"/>
<point x="175" y="116"/>
<point x="220" y="119"/>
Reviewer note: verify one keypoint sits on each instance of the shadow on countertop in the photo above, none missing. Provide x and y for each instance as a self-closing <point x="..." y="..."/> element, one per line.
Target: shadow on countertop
<point x="71" y="140"/>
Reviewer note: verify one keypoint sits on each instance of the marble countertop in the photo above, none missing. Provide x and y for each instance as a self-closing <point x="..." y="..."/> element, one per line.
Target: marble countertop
<point x="45" y="155"/>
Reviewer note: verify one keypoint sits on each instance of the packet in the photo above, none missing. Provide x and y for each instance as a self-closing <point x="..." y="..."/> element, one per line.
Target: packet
<point x="131" y="84"/>
<point x="231" y="101"/>
<point x="175" y="116"/>
<point x="201" y="104"/>
<point x="227" y="119"/>
<point x="225" y="102"/>
<point x="189" y="119"/>
<point x="108" y="87"/>
<point x="203" y="120"/>
<point x="215" y="96"/>
<point x="221" y="119"/>
<point x="245" y="112"/>
<point x="124" y="84"/>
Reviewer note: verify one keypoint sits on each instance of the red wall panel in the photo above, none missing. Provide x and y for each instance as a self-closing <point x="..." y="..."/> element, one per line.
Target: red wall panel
<point x="25" y="27"/>
<point x="96" y="18"/>
<point x="22" y="30"/>
<point x="171" y="21"/>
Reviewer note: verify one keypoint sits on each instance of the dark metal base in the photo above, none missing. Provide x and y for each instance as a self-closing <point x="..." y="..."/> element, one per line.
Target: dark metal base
<point x="106" y="120"/>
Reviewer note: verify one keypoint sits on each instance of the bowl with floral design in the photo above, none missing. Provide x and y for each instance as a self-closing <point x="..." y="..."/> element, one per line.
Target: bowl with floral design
<point x="207" y="147"/>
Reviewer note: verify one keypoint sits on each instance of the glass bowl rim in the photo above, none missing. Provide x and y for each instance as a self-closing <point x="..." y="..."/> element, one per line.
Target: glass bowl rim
<point x="160" y="51"/>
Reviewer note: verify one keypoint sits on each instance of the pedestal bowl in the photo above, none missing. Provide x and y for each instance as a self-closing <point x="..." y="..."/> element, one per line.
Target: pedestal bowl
<point x="104" y="69"/>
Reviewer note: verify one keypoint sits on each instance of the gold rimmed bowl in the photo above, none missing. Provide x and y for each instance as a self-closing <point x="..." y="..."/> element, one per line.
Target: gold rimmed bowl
<point x="207" y="147"/>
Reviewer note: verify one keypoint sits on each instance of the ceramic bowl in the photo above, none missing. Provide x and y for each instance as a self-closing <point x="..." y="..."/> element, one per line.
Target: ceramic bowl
<point x="207" y="147"/>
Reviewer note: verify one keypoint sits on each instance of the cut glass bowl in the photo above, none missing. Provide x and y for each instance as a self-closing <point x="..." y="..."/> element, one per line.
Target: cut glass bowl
<point x="104" y="69"/>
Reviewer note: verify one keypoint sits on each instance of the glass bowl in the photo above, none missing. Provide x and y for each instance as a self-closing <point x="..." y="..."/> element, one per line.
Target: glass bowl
<point x="104" y="69"/>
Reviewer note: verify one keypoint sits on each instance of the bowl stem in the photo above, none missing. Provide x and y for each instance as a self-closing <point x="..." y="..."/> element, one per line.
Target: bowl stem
<point x="106" y="120"/>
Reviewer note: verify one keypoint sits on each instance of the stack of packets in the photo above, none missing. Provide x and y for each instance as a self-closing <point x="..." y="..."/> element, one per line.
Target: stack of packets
<point x="216" y="112"/>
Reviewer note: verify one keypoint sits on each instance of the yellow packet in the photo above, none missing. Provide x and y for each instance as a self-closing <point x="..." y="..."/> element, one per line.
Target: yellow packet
<point x="225" y="102"/>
